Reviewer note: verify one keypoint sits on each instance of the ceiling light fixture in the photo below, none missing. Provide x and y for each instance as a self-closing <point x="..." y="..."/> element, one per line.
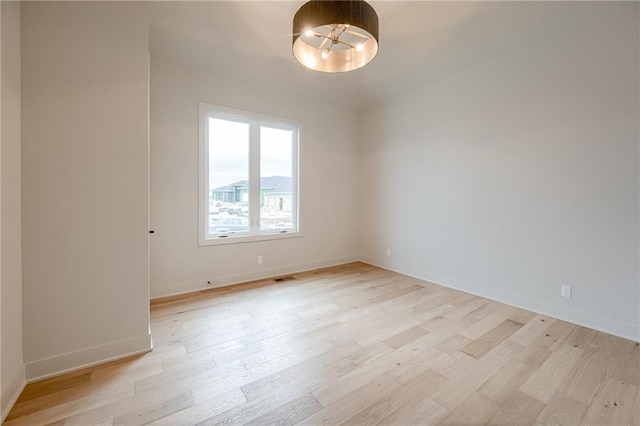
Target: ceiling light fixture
<point x="335" y="36"/>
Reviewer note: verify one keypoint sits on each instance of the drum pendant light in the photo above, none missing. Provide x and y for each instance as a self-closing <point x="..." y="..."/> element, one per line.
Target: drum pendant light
<point x="335" y="36"/>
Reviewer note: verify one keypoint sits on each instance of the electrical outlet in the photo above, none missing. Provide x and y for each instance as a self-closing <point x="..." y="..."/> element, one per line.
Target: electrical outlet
<point x="259" y="260"/>
<point x="565" y="291"/>
<point x="388" y="252"/>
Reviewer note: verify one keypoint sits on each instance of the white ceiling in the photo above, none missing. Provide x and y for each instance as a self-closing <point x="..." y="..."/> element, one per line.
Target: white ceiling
<point x="419" y="42"/>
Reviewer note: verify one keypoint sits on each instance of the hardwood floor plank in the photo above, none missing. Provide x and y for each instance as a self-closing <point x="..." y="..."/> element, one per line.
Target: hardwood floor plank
<point x="492" y="338"/>
<point x="489" y="322"/>
<point x="247" y="412"/>
<point x="302" y="374"/>
<point x="628" y="366"/>
<point x="534" y="356"/>
<point x="204" y="410"/>
<point x="344" y="385"/>
<point x="290" y="413"/>
<point x="555" y="336"/>
<point x="485" y="309"/>
<point x="475" y="410"/>
<point x="404" y="398"/>
<point x="532" y="330"/>
<point x="61" y="423"/>
<point x="404" y="337"/>
<point x="544" y="382"/>
<point x="425" y="412"/>
<point x="519" y="408"/>
<point x="396" y="292"/>
<point x="453" y="344"/>
<point x="107" y="380"/>
<point x="246" y="351"/>
<point x="505" y="382"/>
<point x="408" y="321"/>
<point x="369" y="354"/>
<point x="188" y="360"/>
<point x="440" y="297"/>
<point x="330" y="392"/>
<point x="634" y="419"/>
<point x="472" y="378"/>
<point x="467" y="307"/>
<point x="423" y="360"/>
<point x="581" y="337"/>
<point x="444" y="322"/>
<point x="140" y="404"/>
<point x="65" y="399"/>
<point x="561" y="411"/>
<point x="171" y="376"/>
<point x="353" y="403"/>
<point x="612" y="403"/>
<point x="69" y="407"/>
<point x="522" y="316"/>
<point x="255" y="359"/>
<point x="349" y="344"/>
<point x="204" y="387"/>
<point x="454" y="364"/>
<point x="154" y="411"/>
<point x="586" y="375"/>
<point x="53" y="385"/>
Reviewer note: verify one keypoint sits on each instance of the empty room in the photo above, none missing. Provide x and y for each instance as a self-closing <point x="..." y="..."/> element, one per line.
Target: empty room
<point x="319" y="213"/>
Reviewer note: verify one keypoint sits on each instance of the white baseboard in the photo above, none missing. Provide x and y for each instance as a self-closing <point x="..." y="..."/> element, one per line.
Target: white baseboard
<point x="227" y="280"/>
<point x="611" y="326"/>
<point x="11" y="395"/>
<point x="49" y="367"/>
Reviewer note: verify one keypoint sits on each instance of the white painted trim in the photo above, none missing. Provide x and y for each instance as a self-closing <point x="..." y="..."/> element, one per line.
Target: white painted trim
<point x="628" y="331"/>
<point x="251" y="238"/>
<point x="227" y="280"/>
<point x="54" y="366"/>
<point x="11" y="395"/>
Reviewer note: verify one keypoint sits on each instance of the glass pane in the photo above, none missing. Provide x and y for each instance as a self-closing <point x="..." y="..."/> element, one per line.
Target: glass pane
<point x="276" y="179"/>
<point x="228" y="176"/>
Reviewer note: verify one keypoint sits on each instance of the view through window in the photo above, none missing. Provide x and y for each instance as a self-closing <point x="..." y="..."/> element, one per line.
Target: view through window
<point x="250" y="173"/>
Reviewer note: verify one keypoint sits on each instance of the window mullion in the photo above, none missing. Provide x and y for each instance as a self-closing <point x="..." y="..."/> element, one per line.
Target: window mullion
<point x="254" y="178"/>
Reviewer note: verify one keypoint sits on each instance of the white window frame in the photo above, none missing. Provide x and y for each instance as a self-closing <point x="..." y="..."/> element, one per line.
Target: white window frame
<point x="255" y="120"/>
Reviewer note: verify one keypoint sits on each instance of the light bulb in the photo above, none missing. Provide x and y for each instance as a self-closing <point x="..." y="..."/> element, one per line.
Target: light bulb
<point x="308" y="32"/>
<point x="359" y="47"/>
<point x="324" y="54"/>
<point x="309" y="61"/>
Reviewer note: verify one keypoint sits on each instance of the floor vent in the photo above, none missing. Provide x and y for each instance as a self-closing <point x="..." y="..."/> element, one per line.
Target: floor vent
<point x="287" y="278"/>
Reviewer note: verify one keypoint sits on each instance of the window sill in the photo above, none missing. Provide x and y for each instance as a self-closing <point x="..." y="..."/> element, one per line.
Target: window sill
<point x="236" y="239"/>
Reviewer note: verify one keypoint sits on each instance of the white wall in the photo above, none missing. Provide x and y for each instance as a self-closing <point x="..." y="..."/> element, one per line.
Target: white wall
<point x="328" y="183"/>
<point x="85" y="183"/>
<point x="11" y="359"/>
<point x="518" y="175"/>
<point x="2" y="398"/>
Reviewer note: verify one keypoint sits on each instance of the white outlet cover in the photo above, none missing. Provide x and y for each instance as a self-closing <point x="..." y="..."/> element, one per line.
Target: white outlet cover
<point x="565" y="291"/>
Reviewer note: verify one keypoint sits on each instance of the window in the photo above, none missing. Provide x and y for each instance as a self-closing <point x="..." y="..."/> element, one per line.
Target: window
<point x="248" y="176"/>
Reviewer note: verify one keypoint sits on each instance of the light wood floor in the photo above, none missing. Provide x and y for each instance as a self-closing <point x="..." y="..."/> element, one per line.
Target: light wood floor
<point x="349" y="345"/>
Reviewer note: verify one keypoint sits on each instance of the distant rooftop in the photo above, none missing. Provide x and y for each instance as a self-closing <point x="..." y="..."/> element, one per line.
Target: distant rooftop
<point x="275" y="183"/>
